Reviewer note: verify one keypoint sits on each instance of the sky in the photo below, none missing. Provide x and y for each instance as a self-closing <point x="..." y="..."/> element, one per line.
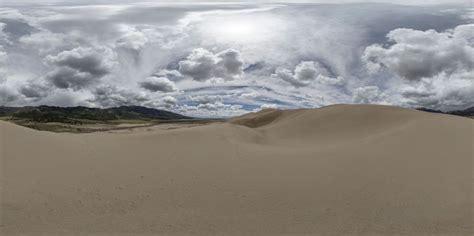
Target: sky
<point x="220" y="59"/>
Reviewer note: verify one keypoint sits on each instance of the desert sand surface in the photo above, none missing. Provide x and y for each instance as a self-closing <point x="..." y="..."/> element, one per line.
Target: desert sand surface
<point x="338" y="170"/>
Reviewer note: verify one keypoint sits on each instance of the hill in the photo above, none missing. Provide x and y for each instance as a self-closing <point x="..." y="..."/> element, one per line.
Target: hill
<point x="76" y="115"/>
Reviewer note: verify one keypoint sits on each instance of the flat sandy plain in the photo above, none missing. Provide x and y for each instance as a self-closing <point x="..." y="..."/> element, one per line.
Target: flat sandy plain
<point x="338" y="170"/>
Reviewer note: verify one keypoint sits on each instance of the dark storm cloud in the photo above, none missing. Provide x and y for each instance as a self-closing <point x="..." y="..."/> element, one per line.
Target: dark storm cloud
<point x="7" y="95"/>
<point x="66" y="77"/>
<point x="158" y="84"/>
<point x="79" y="67"/>
<point x="85" y="60"/>
<point x="35" y="91"/>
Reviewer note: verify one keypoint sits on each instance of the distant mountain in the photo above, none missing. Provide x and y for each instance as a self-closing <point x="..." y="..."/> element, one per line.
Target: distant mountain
<point x="76" y="114"/>
<point x="469" y="112"/>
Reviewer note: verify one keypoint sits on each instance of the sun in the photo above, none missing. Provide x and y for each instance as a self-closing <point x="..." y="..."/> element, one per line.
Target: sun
<point x="238" y="29"/>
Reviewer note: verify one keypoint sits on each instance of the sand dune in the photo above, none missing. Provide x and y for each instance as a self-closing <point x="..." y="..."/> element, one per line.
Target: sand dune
<point x="338" y="170"/>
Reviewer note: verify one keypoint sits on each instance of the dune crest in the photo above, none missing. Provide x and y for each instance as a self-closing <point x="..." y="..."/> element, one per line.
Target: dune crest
<point x="340" y="170"/>
<point x="257" y="119"/>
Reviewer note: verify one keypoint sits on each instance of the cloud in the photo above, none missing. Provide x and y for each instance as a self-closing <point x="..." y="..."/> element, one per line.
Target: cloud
<point x="111" y="96"/>
<point x="3" y="69"/>
<point x="173" y="75"/>
<point x="422" y="54"/>
<point x="202" y="65"/>
<point x="206" y="99"/>
<point x="80" y="67"/>
<point x="169" y="101"/>
<point x="250" y="95"/>
<point x="34" y="90"/>
<point x="161" y="84"/>
<point x="368" y="95"/>
<point x="436" y="68"/>
<point x="268" y="106"/>
<point x="440" y="92"/>
<point x="132" y="38"/>
<point x="307" y="72"/>
<point x="65" y="77"/>
<point x="3" y="55"/>
<point x="469" y="14"/>
<point x="338" y="81"/>
<point x="45" y="41"/>
<point x="218" y="106"/>
<point x="87" y="60"/>
<point x="211" y="110"/>
<point x="3" y="35"/>
<point x="103" y="55"/>
<point x="7" y="95"/>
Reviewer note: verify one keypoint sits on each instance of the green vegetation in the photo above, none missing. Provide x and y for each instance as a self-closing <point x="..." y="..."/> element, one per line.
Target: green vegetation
<point x="84" y="119"/>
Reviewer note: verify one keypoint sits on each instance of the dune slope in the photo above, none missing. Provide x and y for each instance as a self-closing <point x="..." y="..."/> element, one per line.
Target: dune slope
<point x="340" y="170"/>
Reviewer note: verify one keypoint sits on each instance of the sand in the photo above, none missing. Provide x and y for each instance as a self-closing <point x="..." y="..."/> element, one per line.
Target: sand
<point x="338" y="170"/>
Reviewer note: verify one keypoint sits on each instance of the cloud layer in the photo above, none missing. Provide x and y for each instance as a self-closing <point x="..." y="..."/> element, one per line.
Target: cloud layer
<point x="227" y="59"/>
<point x="436" y="68"/>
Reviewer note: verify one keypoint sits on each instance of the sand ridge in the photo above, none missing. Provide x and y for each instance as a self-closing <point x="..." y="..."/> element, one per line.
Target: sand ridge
<point x="338" y="170"/>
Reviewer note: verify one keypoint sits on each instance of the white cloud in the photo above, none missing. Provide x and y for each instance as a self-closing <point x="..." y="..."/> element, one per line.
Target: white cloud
<point x="3" y="35"/>
<point x="268" y="106"/>
<point x="368" y="95"/>
<point x="338" y="81"/>
<point x="206" y="99"/>
<point x="250" y="95"/>
<point x="45" y="41"/>
<point x="440" y="92"/>
<point x="469" y="15"/>
<point x="202" y="65"/>
<point x="422" y="54"/>
<point x="436" y="68"/>
<point x="169" y="101"/>
<point x="132" y="38"/>
<point x="306" y="73"/>
<point x="218" y="106"/>
<point x="3" y="55"/>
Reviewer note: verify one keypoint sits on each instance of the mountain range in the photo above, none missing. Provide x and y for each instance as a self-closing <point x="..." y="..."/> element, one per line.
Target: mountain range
<point x="76" y="114"/>
<point x="468" y="112"/>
